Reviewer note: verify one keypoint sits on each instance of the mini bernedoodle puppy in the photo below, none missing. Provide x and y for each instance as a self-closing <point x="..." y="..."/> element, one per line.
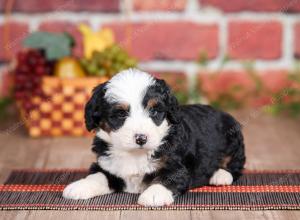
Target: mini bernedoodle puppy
<point x="146" y="143"/>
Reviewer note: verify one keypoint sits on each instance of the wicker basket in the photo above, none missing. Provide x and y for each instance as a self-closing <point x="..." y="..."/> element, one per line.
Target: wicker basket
<point x="61" y="113"/>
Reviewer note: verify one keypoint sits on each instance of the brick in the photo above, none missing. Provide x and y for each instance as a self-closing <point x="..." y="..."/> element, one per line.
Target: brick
<point x="63" y="5"/>
<point x="297" y="40"/>
<point x="275" y="85"/>
<point x="240" y="86"/>
<point x="253" y="5"/>
<point x="167" y="40"/>
<point x="65" y="26"/>
<point x="275" y="81"/>
<point x="176" y="80"/>
<point x="159" y="5"/>
<point x="11" y="37"/>
<point x="237" y="83"/>
<point x="178" y="83"/>
<point x="254" y="40"/>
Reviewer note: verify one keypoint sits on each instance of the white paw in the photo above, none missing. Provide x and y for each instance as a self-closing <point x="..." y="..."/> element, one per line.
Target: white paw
<point x="89" y="187"/>
<point x="221" y="177"/>
<point x="156" y="195"/>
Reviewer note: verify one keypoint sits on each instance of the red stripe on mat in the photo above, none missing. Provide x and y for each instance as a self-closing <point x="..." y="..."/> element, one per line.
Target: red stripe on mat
<point x="214" y="189"/>
<point x="252" y="189"/>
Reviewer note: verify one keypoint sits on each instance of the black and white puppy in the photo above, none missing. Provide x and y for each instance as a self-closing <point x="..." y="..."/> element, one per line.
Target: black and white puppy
<point x="146" y="143"/>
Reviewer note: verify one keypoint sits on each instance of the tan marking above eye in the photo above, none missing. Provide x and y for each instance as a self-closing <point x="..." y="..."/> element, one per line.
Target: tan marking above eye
<point x="122" y="106"/>
<point x="151" y="103"/>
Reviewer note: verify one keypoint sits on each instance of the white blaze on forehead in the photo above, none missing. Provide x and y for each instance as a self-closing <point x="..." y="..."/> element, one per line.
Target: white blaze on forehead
<point x="129" y="86"/>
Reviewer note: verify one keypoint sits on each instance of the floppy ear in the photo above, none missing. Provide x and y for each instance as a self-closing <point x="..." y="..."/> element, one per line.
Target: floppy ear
<point x="171" y="102"/>
<point x="172" y="112"/>
<point x="94" y="108"/>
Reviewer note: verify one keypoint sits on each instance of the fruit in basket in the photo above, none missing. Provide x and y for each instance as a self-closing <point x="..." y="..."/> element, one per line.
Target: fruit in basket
<point x="55" y="45"/>
<point x="95" y="41"/>
<point x="68" y="67"/>
<point x="108" y="62"/>
<point x="31" y="67"/>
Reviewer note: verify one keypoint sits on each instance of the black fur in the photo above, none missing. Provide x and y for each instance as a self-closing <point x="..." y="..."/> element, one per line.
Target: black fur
<point x="100" y="114"/>
<point x="95" y="108"/>
<point x="200" y="139"/>
<point x="114" y="182"/>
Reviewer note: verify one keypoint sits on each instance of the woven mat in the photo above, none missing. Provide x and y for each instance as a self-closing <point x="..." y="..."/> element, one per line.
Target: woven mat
<point x="255" y="190"/>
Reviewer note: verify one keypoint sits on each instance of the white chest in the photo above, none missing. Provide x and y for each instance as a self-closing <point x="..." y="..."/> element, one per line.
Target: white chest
<point x="130" y="167"/>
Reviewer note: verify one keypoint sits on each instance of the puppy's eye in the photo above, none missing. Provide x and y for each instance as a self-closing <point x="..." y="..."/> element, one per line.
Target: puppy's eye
<point x="153" y="113"/>
<point x="156" y="113"/>
<point x="121" y="114"/>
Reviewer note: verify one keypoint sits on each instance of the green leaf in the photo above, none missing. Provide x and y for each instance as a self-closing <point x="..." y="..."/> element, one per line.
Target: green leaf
<point x="56" y="45"/>
<point x="72" y="40"/>
<point x="203" y="59"/>
<point x="4" y="103"/>
<point x="294" y="109"/>
<point x="249" y="66"/>
<point x="225" y="59"/>
<point x="275" y="109"/>
<point x="236" y="88"/>
<point x="257" y="80"/>
<point x="181" y="97"/>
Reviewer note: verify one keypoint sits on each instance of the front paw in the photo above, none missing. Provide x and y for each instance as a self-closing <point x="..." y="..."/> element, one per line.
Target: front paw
<point x="156" y="195"/>
<point x="221" y="178"/>
<point x="86" y="188"/>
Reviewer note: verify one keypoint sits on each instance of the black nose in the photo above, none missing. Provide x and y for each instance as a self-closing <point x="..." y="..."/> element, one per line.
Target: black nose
<point x="140" y="139"/>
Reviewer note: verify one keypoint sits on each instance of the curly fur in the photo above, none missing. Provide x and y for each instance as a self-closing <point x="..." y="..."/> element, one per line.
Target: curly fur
<point x="197" y="141"/>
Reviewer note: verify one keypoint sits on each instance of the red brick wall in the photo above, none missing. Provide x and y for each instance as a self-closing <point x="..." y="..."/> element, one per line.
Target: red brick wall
<point x="174" y="32"/>
<point x="291" y="6"/>
<point x="169" y="35"/>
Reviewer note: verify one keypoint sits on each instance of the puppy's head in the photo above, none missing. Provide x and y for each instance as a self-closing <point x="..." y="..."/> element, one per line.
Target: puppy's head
<point x="132" y="111"/>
